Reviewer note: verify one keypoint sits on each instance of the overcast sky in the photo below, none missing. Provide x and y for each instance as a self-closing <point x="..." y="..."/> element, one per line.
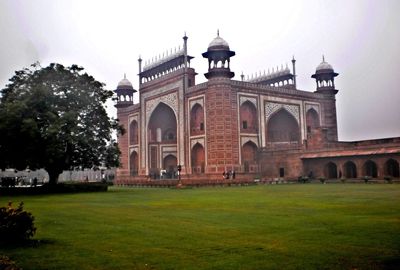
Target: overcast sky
<point x="360" y="39"/>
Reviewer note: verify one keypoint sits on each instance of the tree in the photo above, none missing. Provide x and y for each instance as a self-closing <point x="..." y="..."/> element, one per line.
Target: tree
<point x="54" y="118"/>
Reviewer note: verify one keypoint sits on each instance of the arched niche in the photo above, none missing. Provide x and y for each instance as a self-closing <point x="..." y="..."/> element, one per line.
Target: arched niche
<point x="370" y="169"/>
<point x="133" y="163"/>
<point x="312" y="119"/>
<point x="198" y="158"/>
<point x="350" y="169"/>
<point x="282" y="127"/>
<point x="248" y="117"/>
<point x="170" y="164"/>
<point x="330" y="171"/>
<point x="249" y="155"/>
<point x="392" y="168"/>
<point x="133" y="133"/>
<point x="197" y="120"/>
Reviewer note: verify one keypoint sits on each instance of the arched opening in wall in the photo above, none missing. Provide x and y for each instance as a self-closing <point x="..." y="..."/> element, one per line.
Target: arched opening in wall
<point x="248" y="118"/>
<point x="170" y="164"/>
<point x="197" y="120"/>
<point x="133" y="133"/>
<point x="198" y="158"/>
<point x="330" y="171"/>
<point x="249" y="155"/>
<point x="163" y="118"/>
<point x="370" y="169"/>
<point x="312" y="120"/>
<point x="133" y="163"/>
<point x="392" y="168"/>
<point x="282" y="127"/>
<point x="350" y="170"/>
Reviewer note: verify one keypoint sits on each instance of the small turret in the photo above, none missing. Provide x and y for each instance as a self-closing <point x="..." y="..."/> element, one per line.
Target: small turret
<point x="324" y="76"/>
<point x="218" y="55"/>
<point x="124" y="93"/>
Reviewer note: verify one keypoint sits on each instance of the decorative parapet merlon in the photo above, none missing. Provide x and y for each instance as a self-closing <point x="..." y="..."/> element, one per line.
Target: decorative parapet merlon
<point x="166" y="63"/>
<point x="279" y="77"/>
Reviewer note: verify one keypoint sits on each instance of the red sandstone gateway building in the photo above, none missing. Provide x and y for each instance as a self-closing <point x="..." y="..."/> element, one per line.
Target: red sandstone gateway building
<point x="260" y="127"/>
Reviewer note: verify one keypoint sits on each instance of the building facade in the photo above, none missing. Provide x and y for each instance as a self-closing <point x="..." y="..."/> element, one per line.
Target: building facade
<point x="258" y="127"/>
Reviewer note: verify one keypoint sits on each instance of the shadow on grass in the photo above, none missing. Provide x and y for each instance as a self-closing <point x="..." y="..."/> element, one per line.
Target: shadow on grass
<point x="31" y="243"/>
<point x="391" y="264"/>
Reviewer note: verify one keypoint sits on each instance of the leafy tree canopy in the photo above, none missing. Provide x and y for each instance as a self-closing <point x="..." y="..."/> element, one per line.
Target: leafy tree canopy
<point x="54" y="118"/>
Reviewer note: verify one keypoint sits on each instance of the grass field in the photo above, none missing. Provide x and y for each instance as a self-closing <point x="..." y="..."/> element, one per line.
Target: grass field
<point x="294" y="226"/>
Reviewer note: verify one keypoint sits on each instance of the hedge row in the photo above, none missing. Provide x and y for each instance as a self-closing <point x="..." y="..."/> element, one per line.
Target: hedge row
<point x="55" y="189"/>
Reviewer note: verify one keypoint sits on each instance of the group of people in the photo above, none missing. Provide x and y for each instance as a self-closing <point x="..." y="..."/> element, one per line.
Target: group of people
<point x="229" y="175"/>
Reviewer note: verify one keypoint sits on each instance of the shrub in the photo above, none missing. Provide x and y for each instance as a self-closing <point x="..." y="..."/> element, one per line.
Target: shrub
<point x="7" y="264"/>
<point x="16" y="224"/>
<point x="366" y="178"/>
<point x="303" y="179"/>
<point x="388" y="179"/>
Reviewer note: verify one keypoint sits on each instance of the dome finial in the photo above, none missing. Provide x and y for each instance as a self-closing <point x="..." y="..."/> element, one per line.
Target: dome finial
<point x="323" y="58"/>
<point x="218" y="32"/>
<point x="124" y="75"/>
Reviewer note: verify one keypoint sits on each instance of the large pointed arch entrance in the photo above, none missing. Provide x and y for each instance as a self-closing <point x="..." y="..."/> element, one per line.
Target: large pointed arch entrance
<point x="162" y="139"/>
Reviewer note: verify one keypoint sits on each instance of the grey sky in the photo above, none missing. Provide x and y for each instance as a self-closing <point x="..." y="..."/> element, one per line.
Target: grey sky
<point x="360" y="39"/>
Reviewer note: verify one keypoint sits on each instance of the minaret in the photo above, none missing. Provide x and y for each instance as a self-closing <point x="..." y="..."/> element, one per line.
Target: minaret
<point x="140" y="70"/>
<point x="185" y="62"/>
<point x="294" y="72"/>
<point x="218" y="55"/>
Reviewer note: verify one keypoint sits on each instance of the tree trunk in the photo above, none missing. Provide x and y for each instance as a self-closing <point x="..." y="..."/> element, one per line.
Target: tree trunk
<point x="53" y="174"/>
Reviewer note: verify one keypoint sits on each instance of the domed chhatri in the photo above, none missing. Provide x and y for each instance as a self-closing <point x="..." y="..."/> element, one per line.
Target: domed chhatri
<point x="325" y="78"/>
<point x="324" y="65"/>
<point x="124" y="93"/>
<point x="218" y="43"/>
<point x="218" y="55"/>
<point x="124" y="83"/>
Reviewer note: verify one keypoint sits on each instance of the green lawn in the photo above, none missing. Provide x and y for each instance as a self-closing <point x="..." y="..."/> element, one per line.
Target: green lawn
<point x="293" y="226"/>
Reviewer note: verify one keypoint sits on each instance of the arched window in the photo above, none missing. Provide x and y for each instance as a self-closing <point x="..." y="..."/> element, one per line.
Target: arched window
<point x="312" y="120"/>
<point x="197" y="120"/>
<point x="370" y="169"/>
<point x="330" y="171"/>
<point x="133" y="133"/>
<point x="198" y="158"/>
<point x="249" y="155"/>
<point x="392" y="168"/>
<point x="134" y="163"/>
<point x="350" y="170"/>
<point x="282" y="127"/>
<point x="248" y="118"/>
